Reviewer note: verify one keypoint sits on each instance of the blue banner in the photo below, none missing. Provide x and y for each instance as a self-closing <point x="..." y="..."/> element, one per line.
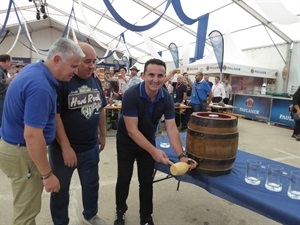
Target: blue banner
<point x="217" y="42"/>
<point x="201" y="36"/>
<point x="174" y="52"/>
<point x="280" y="113"/>
<point x="253" y="107"/>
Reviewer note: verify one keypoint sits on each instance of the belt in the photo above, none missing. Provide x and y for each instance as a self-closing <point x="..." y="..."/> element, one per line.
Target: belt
<point x="15" y="144"/>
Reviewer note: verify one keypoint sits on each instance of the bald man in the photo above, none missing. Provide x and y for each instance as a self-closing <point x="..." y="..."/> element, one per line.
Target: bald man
<point x="80" y="137"/>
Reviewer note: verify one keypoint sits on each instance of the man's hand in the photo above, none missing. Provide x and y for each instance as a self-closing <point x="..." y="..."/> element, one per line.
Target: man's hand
<point x="69" y="156"/>
<point x="51" y="184"/>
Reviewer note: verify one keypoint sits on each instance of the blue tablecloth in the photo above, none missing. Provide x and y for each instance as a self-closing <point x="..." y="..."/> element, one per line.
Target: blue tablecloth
<point x="232" y="187"/>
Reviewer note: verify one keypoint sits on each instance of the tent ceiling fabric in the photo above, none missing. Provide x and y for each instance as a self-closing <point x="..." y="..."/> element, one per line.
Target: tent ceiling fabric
<point x="224" y="15"/>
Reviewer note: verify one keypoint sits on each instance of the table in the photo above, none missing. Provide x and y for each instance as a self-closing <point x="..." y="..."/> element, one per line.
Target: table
<point x="233" y="188"/>
<point x="219" y="108"/>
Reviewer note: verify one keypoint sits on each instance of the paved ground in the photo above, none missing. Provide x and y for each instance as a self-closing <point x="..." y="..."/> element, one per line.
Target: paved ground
<point x="191" y="204"/>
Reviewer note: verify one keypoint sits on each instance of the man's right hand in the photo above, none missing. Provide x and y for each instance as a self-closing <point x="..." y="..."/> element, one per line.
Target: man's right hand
<point x="69" y="156"/>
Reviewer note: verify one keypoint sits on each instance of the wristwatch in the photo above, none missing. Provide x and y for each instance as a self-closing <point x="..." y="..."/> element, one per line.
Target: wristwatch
<point x="182" y="155"/>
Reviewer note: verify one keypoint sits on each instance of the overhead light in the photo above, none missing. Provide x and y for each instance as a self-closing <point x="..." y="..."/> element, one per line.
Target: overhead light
<point x="30" y="0"/>
<point x="43" y="9"/>
<point x="38" y="16"/>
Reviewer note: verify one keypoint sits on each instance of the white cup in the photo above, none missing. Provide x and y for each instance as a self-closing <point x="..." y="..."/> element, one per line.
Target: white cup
<point x="164" y="140"/>
<point x="294" y="186"/>
<point x="274" y="177"/>
<point x="253" y="172"/>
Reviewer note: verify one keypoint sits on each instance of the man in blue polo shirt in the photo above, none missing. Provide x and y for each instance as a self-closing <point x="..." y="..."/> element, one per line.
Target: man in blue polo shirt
<point x="28" y="126"/>
<point x="142" y="107"/>
<point x="200" y="91"/>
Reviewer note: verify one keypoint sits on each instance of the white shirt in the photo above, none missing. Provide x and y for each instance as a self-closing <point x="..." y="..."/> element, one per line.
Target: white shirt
<point x="218" y="90"/>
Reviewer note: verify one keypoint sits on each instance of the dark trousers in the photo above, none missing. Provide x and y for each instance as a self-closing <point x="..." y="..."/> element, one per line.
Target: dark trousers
<point x="216" y="99"/>
<point x="297" y="128"/>
<point x="226" y="101"/>
<point x="87" y="167"/>
<point x="145" y="165"/>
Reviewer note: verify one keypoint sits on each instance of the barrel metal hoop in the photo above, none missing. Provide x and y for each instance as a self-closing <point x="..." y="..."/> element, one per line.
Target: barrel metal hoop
<point x="212" y="122"/>
<point x="206" y="136"/>
<point x="211" y="161"/>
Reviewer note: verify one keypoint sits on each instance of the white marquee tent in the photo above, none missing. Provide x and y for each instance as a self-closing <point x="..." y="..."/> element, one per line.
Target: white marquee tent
<point x="235" y="62"/>
<point x="254" y="24"/>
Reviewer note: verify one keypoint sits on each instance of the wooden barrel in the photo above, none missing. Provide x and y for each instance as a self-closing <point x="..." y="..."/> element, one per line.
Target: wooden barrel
<point x="212" y="140"/>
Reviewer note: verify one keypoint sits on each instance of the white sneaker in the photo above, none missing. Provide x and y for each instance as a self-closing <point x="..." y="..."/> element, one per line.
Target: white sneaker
<point x="96" y="220"/>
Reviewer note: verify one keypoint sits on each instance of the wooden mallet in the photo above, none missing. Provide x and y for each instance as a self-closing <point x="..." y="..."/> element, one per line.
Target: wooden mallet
<point x="178" y="168"/>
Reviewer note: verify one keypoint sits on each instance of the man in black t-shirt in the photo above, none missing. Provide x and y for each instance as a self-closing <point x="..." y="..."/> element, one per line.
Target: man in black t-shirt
<point x="80" y="137"/>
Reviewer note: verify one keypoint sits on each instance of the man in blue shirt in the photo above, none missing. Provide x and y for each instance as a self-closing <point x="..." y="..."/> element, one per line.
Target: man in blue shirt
<point x="142" y="107"/>
<point x="200" y="91"/>
<point x="28" y="126"/>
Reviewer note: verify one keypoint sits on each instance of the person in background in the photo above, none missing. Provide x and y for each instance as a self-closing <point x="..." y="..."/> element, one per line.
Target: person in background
<point x="107" y="84"/>
<point x="134" y="79"/>
<point x="5" y="79"/>
<point x="199" y="101"/>
<point x="228" y="92"/>
<point x="179" y="91"/>
<point x="179" y="96"/>
<point x="122" y="83"/>
<point x="296" y="110"/>
<point x="218" y="91"/>
<point x="80" y="137"/>
<point x="29" y="126"/>
<point x="142" y="107"/>
<point x="186" y="80"/>
<point x="206" y="78"/>
<point x="169" y="87"/>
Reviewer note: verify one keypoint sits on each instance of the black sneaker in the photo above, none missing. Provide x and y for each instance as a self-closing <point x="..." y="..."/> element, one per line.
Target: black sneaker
<point x="120" y="218"/>
<point x="147" y="221"/>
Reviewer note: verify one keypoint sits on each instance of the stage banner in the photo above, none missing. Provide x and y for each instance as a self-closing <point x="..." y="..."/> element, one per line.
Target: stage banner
<point x="174" y="52"/>
<point x="253" y="107"/>
<point x="217" y="42"/>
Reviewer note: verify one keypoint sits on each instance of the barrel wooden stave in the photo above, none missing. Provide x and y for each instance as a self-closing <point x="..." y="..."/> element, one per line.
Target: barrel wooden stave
<point x="212" y="142"/>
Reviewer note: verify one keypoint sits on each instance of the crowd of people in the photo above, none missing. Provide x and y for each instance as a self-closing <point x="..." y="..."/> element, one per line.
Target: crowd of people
<point x="41" y="149"/>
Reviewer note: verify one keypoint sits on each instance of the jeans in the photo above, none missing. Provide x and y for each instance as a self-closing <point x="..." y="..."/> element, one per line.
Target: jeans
<point x="87" y="167"/>
<point x="145" y="164"/>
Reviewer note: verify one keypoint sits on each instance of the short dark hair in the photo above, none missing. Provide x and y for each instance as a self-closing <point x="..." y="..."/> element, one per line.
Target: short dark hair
<point x="4" y="58"/>
<point x="155" y="62"/>
<point x="123" y="68"/>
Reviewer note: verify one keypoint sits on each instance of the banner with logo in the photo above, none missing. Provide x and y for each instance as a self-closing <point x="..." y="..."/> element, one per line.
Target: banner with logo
<point x="174" y="52"/>
<point x="217" y="42"/>
<point x="280" y="113"/>
<point x="253" y="107"/>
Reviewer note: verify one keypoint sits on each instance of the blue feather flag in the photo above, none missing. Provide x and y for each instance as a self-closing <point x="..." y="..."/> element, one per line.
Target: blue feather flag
<point x="174" y="52"/>
<point x="217" y="42"/>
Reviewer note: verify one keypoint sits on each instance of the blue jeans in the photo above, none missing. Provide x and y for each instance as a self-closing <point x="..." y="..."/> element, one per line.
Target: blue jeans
<point x="87" y="167"/>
